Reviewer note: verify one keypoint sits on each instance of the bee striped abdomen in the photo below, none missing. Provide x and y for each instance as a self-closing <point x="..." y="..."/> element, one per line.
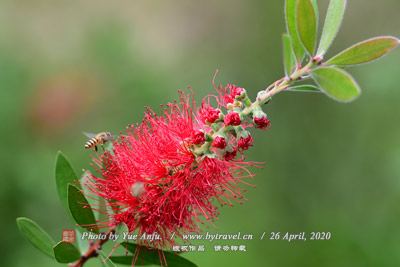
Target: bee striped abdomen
<point x="92" y="142"/>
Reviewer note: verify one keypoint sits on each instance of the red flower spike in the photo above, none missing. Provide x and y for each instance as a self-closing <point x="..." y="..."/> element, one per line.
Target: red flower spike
<point x="245" y="143"/>
<point x="232" y="118"/>
<point x="198" y="138"/>
<point x="219" y="142"/>
<point x="154" y="183"/>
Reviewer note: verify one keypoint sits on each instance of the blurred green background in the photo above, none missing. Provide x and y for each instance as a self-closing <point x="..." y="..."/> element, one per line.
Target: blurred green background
<point x="73" y="66"/>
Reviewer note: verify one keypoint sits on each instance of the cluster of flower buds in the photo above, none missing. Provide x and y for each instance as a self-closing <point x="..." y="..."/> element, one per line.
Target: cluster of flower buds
<point x="223" y="135"/>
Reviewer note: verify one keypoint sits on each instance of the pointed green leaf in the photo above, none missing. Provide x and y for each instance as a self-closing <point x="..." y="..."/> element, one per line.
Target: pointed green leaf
<point x="36" y="235"/>
<point x="127" y="260"/>
<point x="106" y="262"/>
<point x="64" y="175"/>
<point x="66" y="252"/>
<point x="306" y="24"/>
<point x="83" y="244"/>
<point x="315" y="6"/>
<point x="80" y="209"/>
<point x="288" y="58"/>
<point x="290" y="11"/>
<point x="120" y="229"/>
<point x="333" y="20"/>
<point x="336" y="83"/>
<point x="304" y="88"/>
<point x="365" y="51"/>
<point x="153" y="256"/>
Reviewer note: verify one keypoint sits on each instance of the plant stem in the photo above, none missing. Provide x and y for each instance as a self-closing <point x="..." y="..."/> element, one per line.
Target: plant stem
<point x="92" y="251"/>
<point x="264" y="95"/>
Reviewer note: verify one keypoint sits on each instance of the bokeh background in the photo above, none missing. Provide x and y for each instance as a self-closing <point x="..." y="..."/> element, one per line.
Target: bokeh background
<point x="73" y="66"/>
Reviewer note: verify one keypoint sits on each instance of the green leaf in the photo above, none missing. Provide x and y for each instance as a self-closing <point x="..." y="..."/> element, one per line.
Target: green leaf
<point x="333" y="20"/>
<point x="288" y="58"/>
<point x="315" y="6"/>
<point x="304" y="88"/>
<point x="83" y="244"/>
<point x="290" y="11"/>
<point x="152" y="256"/>
<point x="306" y="24"/>
<point x="64" y="175"/>
<point x="81" y="213"/>
<point x="365" y="51"/>
<point x="120" y="229"/>
<point x="36" y="235"/>
<point x="108" y="262"/>
<point x="336" y="83"/>
<point x="66" y="252"/>
<point x="127" y="260"/>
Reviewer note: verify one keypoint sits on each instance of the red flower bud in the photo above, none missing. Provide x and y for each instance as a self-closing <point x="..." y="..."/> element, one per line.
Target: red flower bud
<point x="262" y="122"/>
<point x="219" y="142"/>
<point x="237" y="91"/>
<point x="230" y="155"/>
<point x="245" y="143"/>
<point x="232" y="118"/>
<point x="208" y="113"/>
<point x="198" y="138"/>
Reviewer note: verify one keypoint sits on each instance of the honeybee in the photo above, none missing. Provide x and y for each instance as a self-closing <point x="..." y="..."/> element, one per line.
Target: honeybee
<point x="97" y="139"/>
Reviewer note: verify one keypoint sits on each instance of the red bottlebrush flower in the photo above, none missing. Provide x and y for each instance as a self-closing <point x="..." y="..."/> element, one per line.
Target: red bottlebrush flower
<point x="245" y="143"/>
<point x="207" y="113"/>
<point x="262" y="123"/>
<point x="154" y="182"/>
<point x="198" y="138"/>
<point x="232" y="118"/>
<point x="219" y="142"/>
<point x="228" y="95"/>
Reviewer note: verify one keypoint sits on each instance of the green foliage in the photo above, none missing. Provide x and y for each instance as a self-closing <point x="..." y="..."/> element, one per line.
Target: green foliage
<point x="152" y="257"/>
<point x="333" y="20"/>
<point x="365" y="51"/>
<point x="302" y="20"/>
<point x="288" y="58"/>
<point x="80" y="209"/>
<point x="66" y="252"/>
<point x="306" y="19"/>
<point x="304" y="88"/>
<point x="106" y="261"/>
<point x="336" y="83"/>
<point x="290" y="11"/>
<point x="64" y="175"/>
<point x="36" y="235"/>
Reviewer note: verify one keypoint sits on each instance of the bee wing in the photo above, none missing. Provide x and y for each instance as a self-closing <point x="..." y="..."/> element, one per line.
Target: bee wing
<point x="90" y="135"/>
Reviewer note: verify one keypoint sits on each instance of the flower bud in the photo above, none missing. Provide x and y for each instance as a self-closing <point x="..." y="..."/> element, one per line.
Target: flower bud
<point x="245" y="143"/>
<point x="230" y="155"/>
<point x="232" y="118"/>
<point x="198" y="138"/>
<point x="219" y="142"/>
<point x="260" y="120"/>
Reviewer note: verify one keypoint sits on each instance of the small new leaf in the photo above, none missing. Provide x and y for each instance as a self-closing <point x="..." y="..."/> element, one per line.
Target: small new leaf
<point x="290" y="11"/>
<point x="36" y="235"/>
<point x="80" y="209"/>
<point x="304" y="88"/>
<point x="64" y="175"/>
<point x="336" y="83"/>
<point x="307" y="24"/>
<point x="333" y="20"/>
<point x="365" y="51"/>
<point x="66" y="252"/>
